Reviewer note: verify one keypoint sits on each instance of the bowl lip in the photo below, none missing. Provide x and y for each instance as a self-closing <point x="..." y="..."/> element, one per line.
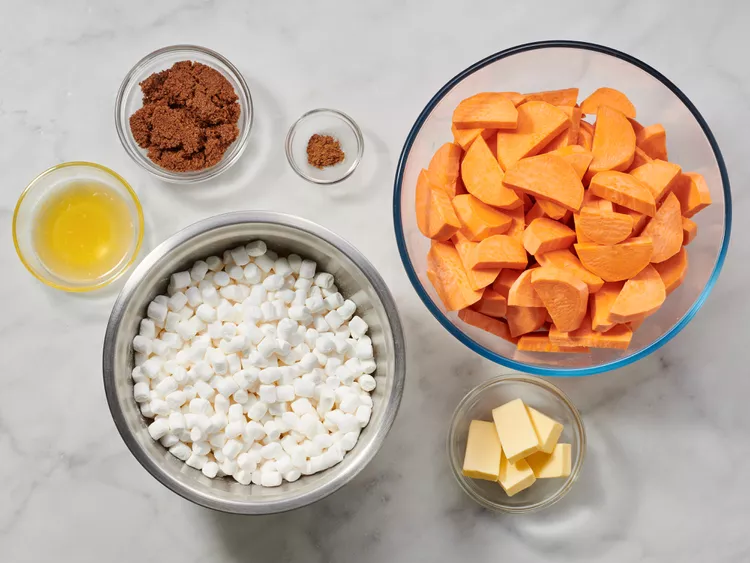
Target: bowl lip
<point x="139" y="235"/>
<point x="392" y="402"/>
<point x="579" y="427"/>
<point x="340" y="115"/>
<point x="463" y="337"/>
<point x="129" y="144"/>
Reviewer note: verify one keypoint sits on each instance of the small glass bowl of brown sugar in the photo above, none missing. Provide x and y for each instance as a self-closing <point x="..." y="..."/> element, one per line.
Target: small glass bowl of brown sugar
<point x="324" y="146"/>
<point x="198" y="118"/>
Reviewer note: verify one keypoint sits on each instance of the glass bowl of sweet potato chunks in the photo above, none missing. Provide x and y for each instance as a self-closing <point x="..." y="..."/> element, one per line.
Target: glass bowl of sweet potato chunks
<point x="562" y="208"/>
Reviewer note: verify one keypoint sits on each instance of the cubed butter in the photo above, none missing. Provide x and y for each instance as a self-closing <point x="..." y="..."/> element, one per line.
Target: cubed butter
<point x="547" y="430"/>
<point x="517" y="435"/>
<point x="515" y="477"/>
<point x="482" y="459"/>
<point x="549" y="466"/>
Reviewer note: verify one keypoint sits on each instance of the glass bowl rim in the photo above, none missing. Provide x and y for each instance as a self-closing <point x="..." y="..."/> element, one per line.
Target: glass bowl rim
<point x="106" y="281"/>
<point x="461" y="335"/>
<point x="129" y="144"/>
<point x="577" y="464"/>
<point x="344" y="117"/>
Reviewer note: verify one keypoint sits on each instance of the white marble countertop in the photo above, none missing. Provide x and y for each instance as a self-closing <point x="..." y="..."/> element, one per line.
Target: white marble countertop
<point x="668" y="471"/>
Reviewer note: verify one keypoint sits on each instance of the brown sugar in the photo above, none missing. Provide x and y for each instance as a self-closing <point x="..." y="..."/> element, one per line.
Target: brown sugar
<point x="189" y="117"/>
<point x="324" y="151"/>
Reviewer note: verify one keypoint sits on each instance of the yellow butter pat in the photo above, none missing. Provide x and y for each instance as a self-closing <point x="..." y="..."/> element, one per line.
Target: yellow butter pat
<point x="549" y="466"/>
<point x="515" y="477"/>
<point x="547" y="430"/>
<point x="482" y="459"/>
<point x="517" y="435"/>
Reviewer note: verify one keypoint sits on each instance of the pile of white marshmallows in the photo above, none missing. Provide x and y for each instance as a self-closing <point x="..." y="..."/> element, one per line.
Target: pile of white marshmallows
<point x="254" y="366"/>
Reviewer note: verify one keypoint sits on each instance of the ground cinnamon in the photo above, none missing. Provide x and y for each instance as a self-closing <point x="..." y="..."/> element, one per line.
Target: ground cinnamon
<point x="324" y="151"/>
<point x="189" y="117"/>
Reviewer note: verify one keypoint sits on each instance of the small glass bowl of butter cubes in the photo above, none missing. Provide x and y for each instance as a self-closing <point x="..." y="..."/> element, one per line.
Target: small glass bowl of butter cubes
<point x="516" y="444"/>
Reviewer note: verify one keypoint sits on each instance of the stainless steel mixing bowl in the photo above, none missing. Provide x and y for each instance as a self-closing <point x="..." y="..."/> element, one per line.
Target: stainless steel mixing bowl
<point x="355" y="277"/>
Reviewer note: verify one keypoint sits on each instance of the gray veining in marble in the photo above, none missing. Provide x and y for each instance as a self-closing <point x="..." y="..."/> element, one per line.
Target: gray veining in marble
<point x="668" y="472"/>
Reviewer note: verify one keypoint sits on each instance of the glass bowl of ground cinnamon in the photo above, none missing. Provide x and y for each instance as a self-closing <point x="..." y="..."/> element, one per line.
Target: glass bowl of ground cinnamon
<point x="324" y="146"/>
<point x="184" y="113"/>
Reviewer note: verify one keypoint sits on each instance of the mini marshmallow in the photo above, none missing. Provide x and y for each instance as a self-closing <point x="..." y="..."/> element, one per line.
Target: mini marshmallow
<point x="325" y="344"/>
<point x="221" y="278"/>
<point x="362" y="414"/>
<point x="142" y="344"/>
<point x="177" y="302"/>
<point x="287" y="296"/>
<point x="147" y="329"/>
<point x="160" y="348"/>
<point x="303" y="388"/>
<point x="264" y="263"/>
<point x="225" y="311"/>
<point x="226" y="258"/>
<point x="158" y="428"/>
<point x="368" y="366"/>
<point x="334" y="301"/>
<point x="175" y="399"/>
<point x="254" y="431"/>
<point x="234" y="429"/>
<point x="235" y="413"/>
<point x="241" y="396"/>
<point x="366" y="382"/>
<point x="180" y="280"/>
<point x="269" y="376"/>
<point x="166" y="386"/>
<point x="326" y="400"/>
<point x="206" y="313"/>
<point x="201" y="448"/>
<point x="315" y="304"/>
<point x="272" y="429"/>
<point x="231" y="293"/>
<point x="270" y="479"/>
<point x="307" y="269"/>
<point x="282" y="267"/>
<point x="320" y="324"/>
<point x="267" y="393"/>
<point x="232" y="448"/>
<point x="347" y="310"/>
<point x="256" y="248"/>
<point x="324" y="280"/>
<point x="181" y="451"/>
<point x="198" y="271"/>
<point x="214" y="263"/>
<point x="240" y="255"/>
<point x="257" y="411"/>
<point x="161" y="299"/>
<point x="141" y="392"/>
<point x="210" y="469"/>
<point x="157" y="312"/>
<point x="274" y="282"/>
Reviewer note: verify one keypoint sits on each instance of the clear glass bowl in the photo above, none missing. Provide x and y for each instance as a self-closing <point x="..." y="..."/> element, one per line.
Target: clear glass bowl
<point x="42" y="186"/>
<point x="324" y="122"/>
<point x="559" y="64"/>
<point x="534" y="392"/>
<point x="130" y="99"/>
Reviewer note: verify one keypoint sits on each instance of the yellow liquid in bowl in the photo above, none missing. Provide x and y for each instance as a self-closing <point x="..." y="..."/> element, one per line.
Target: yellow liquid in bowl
<point x="83" y="231"/>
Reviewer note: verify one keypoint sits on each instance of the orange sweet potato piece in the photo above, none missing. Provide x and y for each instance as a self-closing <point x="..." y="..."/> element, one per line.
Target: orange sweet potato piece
<point x="552" y="210"/>
<point x="500" y="251"/>
<point x="603" y="227"/>
<point x="641" y="296"/>
<point x="569" y="136"/>
<point x="547" y="176"/>
<point x="689" y="230"/>
<point x="541" y="343"/>
<point x="608" y="97"/>
<point x="665" y="230"/>
<point x="522" y="294"/>
<point x="639" y="219"/>
<point x="566" y="260"/>
<point x="516" y="97"/>
<point x="616" y="262"/>
<point x="617" y="337"/>
<point x="693" y="193"/>
<point x="535" y="212"/>
<point x="637" y="127"/>
<point x="504" y="281"/>
<point x="478" y="279"/>
<point x="518" y="223"/>
<point x="479" y="220"/>
<point x="625" y="190"/>
<point x="595" y="202"/>
<point x="465" y="137"/>
<point x="600" y="304"/>
<point x="613" y="146"/>
<point x="586" y="135"/>
<point x="673" y="271"/>
<point x="486" y="110"/>
<point x="564" y="97"/>
<point x="523" y="320"/>
<point x="544" y="234"/>
<point x="444" y="168"/>
<point x="436" y="218"/>
<point x="653" y="141"/>
<point x="639" y="159"/>
<point x="538" y="124"/>
<point x="483" y="177"/>
<point x="565" y="296"/>
<point x="493" y="326"/>
<point x="660" y="176"/>
<point x="491" y="304"/>
<point x="577" y="156"/>
<point x="448" y="276"/>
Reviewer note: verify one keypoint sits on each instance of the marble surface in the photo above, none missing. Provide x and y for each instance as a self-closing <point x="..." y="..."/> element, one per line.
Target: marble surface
<point x="666" y="477"/>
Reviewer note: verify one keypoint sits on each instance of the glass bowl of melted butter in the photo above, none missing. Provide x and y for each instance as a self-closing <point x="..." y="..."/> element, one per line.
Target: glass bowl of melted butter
<point x="78" y="226"/>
